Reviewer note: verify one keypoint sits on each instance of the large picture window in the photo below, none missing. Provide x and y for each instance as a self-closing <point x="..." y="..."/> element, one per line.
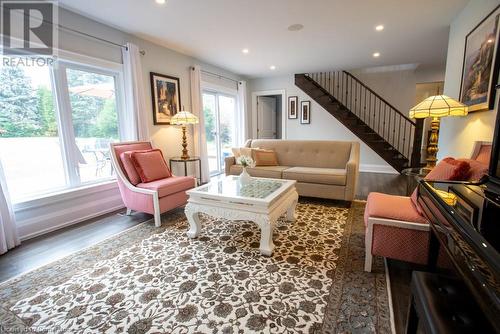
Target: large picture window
<point x="56" y="124"/>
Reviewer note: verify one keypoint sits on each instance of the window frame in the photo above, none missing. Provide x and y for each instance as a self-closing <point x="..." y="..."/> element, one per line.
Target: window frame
<point x="63" y="113"/>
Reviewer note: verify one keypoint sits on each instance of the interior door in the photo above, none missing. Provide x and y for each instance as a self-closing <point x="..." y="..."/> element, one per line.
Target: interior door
<point x="266" y="117"/>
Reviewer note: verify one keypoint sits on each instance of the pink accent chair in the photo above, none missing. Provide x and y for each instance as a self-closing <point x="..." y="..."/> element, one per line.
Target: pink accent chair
<point x="395" y="229"/>
<point x="152" y="197"/>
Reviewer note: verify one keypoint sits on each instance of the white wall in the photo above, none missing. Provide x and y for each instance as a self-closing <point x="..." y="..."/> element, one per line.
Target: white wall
<point x="396" y="86"/>
<point x="457" y="134"/>
<point x="43" y="215"/>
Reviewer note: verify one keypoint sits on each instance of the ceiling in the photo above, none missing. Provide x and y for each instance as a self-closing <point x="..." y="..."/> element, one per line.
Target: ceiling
<point x="337" y="34"/>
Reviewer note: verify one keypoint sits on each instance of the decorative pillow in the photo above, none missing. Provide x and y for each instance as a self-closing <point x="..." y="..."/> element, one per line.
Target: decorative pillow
<point x="265" y="157"/>
<point x="447" y="169"/>
<point x="236" y="152"/>
<point x="477" y="169"/>
<point x="150" y="165"/>
<point x="128" y="166"/>
<point x="239" y="151"/>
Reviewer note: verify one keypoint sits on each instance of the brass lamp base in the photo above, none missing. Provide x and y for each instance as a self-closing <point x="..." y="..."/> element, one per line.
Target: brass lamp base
<point x="432" y="147"/>
<point x="185" y="154"/>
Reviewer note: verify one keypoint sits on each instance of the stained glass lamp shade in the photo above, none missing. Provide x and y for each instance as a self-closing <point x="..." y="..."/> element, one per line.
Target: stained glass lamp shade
<point x="436" y="107"/>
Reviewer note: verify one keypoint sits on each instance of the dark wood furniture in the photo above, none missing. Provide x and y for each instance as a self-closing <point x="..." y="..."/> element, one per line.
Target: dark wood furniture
<point x="465" y="221"/>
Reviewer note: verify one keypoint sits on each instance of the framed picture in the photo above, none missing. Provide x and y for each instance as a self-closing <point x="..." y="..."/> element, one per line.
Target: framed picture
<point x="293" y="107"/>
<point x="166" y="97"/>
<point x="481" y="63"/>
<point x="305" y="112"/>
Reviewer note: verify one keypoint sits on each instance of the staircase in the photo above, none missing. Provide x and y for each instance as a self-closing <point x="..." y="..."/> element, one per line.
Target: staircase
<point x="392" y="135"/>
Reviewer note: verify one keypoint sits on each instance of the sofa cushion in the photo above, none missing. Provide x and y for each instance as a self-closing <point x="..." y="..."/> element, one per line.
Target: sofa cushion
<point x="392" y="207"/>
<point x="169" y="185"/>
<point x="308" y="153"/>
<point x="331" y="176"/>
<point x="273" y="172"/>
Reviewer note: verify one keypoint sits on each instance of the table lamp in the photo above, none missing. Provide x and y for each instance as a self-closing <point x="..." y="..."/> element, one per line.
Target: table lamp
<point x="436" y="107"/>
<point x="184" y="118"/>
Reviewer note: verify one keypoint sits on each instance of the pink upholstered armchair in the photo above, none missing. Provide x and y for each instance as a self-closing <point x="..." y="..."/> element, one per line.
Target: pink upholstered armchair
<point x="395" y="229"/>
<point x="153" y="197"/>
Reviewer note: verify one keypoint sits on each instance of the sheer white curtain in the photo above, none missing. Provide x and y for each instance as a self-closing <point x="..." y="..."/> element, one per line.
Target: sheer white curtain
<point x="8" y="230"/>
<point x="137" y="119"/>
<point x="200" y="142"/>
<point x="241" y="118"/>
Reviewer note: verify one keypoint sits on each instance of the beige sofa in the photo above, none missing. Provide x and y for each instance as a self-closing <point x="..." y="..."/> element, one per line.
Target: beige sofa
<point x="325" y="169"/>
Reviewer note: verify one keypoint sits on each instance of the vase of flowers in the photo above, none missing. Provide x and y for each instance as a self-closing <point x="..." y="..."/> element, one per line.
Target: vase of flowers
<point x="245" y="161"/>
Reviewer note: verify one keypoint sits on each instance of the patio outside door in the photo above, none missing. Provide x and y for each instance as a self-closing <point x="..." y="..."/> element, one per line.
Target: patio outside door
<point x="220" y="116"/>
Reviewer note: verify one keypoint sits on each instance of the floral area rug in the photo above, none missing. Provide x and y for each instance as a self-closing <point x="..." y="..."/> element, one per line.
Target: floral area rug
<point x="157" y="280"/>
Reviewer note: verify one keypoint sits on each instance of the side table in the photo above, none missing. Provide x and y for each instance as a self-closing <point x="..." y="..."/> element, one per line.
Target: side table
<point x="185" y="161"/>
<point x="413" y="177"/>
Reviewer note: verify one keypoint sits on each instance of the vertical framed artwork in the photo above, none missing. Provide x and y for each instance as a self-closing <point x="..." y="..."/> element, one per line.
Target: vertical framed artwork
<point x="293" y="107"/>
<point x="481" y="64"/>
<point x="166" y="94"/>
<point x="305" y="112"/>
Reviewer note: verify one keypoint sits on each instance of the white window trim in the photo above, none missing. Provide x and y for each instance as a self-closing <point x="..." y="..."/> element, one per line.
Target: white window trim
<point x="82" y="189"/>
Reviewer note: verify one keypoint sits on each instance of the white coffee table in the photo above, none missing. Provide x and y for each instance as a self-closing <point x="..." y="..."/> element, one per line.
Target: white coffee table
<point x="262" y="201"/>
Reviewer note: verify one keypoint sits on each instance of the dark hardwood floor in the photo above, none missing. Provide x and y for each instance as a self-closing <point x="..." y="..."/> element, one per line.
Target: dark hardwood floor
<point x="47" y="248"/>
<point x="39" y="251"/>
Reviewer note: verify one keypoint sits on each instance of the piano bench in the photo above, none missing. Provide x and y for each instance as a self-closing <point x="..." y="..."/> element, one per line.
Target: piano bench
<point x="443" y="305"/>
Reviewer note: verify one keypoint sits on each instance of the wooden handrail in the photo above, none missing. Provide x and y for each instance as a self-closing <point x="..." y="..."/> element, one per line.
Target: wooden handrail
<point x="396" y="129"/>
<point x="380" y="97"/>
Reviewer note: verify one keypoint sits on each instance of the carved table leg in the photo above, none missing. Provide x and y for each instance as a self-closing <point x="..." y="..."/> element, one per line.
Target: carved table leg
<point x="266" y="236"/>
<point x="194" y="221"/>
<point x="290" y="212"/>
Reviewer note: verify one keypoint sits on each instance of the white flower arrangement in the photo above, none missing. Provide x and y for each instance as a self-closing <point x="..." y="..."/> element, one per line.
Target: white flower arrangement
<point x="246" y="161"/>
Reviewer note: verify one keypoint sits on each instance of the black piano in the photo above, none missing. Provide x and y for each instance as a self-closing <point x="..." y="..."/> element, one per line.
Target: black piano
<point x="465" y="222"/>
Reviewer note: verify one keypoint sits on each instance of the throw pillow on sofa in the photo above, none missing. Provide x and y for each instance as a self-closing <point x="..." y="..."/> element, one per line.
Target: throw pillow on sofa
<point x="239" y="151"/>
<point x="265" y="157"/>
<point x="150" y="165"/>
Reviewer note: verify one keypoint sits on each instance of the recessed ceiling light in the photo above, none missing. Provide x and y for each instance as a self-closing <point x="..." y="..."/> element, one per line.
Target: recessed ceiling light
<point x="161" y="2"/>
<point x="490" y="40"/>
<point x="272" y="67"/>
<point x="379" y="27"/>
<point x="296" y="27"/>
<point x="245" y="51"/>
<point x="376" y="54"/>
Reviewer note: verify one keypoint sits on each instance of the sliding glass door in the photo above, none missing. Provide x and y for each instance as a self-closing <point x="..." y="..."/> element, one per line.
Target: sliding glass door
<point x="220" y="115"/>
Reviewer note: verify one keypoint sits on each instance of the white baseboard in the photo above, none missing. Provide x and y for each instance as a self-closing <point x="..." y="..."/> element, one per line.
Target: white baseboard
<point x="39" y="232"/>
<point x="35" y="220"/>
<point x="385" y="169"/>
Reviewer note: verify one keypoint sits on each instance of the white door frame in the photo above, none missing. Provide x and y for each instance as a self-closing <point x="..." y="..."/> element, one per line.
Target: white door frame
<point x="284" y="115"/>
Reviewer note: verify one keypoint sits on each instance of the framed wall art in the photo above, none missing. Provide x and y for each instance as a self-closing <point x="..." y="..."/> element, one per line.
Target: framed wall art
<point x="481" y="64"/>
<point x="293" y="107"/>
<point x="165" y="91"/>
<point x="305" y="112"/>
